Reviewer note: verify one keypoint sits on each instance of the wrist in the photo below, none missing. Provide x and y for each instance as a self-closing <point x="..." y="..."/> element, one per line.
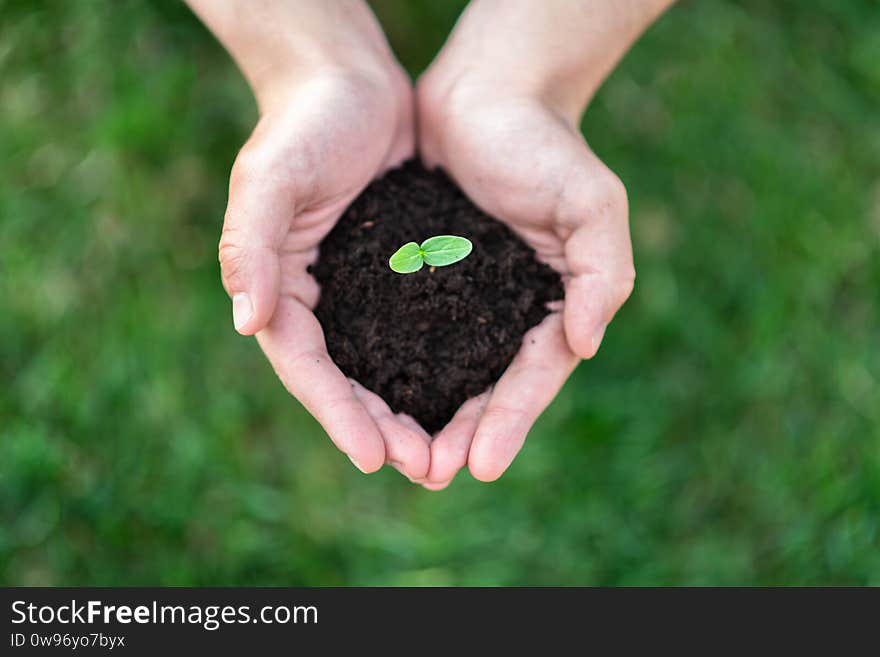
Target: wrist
<point x="280" y="44"/>
<point x="276" y="80"/>
<point x="556" y="52"/>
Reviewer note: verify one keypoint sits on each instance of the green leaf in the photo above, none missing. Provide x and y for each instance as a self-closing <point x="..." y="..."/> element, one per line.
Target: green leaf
<point x="443" y="250"/>
<point x="407" y="259"/>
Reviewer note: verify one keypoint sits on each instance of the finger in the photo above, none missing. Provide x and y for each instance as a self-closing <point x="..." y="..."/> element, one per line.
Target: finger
<point x="406" y="443"/>
<point x="258" y="215"/>
<point x="402" y="469"/>
<point x="591" y="302"/>
<point x="403" y="145"/>
<point x="598" y="253"/>
<point x="449" y="450"/>
<point x="294" y="343"/>
<point x="409" y="421"/>
<point x="436" y="487"/>
<point x="522" y="393"/>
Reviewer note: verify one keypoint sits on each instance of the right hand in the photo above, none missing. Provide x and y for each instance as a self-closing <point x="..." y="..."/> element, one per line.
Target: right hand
<point x="316" y="147"/>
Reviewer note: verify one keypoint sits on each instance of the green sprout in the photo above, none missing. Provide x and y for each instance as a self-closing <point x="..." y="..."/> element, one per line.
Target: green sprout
<point x="437" y="251"/>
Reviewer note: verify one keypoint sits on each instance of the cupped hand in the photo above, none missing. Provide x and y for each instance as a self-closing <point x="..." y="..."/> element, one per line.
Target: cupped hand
<point x="522" y="161"/>
<point x="318" y="143"/>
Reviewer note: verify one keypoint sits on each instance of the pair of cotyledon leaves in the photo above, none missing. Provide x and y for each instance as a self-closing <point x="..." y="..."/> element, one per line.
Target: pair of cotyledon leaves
<point x="436" y="251"/>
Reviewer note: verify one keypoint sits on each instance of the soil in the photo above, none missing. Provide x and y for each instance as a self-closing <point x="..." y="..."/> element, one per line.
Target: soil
<point x="426" y="342"/>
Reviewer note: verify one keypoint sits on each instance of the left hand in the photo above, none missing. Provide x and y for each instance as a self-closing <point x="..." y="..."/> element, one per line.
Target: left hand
<point x="526" y="164"/>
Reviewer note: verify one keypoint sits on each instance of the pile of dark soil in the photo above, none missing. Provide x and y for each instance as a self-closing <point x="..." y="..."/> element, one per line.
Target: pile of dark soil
<point x="428" y="341"/>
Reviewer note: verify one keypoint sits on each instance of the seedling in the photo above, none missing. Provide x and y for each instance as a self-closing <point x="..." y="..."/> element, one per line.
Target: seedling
<point x="437" y="251"/>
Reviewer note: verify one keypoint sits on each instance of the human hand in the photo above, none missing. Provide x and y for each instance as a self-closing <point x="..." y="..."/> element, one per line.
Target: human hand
<point x="507" y="131"/>
<point x="326" y="130"/>
<point x="522" y="163"/>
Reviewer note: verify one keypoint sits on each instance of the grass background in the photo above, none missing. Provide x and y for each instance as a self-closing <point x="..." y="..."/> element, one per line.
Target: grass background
<point x="728" y="432"/>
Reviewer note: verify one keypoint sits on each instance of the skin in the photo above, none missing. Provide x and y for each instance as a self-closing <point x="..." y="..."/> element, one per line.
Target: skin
<point x="336" y="111"/>
<point x="498" y="109"/>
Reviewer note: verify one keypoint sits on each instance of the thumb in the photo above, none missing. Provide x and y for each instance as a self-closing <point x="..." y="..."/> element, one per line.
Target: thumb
<point x="257" y="218"/>
<point x="599" y="256"/>
<point x="251" y="277"/>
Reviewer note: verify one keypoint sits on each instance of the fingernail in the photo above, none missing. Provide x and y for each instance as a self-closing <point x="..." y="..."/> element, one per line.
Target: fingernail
<point x="242" y="310"/>
<point x="435" y="487"/>
<point x="597" y="337"/>
<point x="402" y="470"/>
<point x="356" y="464"/>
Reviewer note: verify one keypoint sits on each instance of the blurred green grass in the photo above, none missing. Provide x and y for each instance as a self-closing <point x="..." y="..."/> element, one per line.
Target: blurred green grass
<point x="728" y="432"/>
